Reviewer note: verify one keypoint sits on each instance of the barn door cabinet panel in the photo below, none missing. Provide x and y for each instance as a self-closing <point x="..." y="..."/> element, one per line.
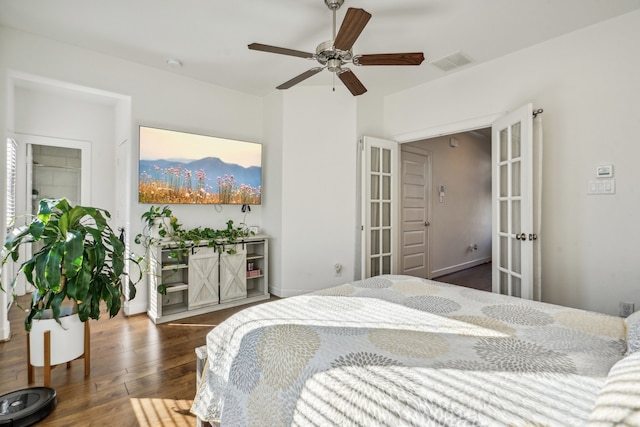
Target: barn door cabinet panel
<point x="199" y="279"/>
<point x="233" y="275"/>
<point x="203" y="276"/>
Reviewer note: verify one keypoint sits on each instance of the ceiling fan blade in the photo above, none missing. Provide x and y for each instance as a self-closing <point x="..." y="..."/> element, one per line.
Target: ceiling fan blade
<point x="280" y="50"/>
<point x="294" y="81"/>
<point x="413" y="58"/>
<point x="351" y="82"/>
<point x="354" y="22"/>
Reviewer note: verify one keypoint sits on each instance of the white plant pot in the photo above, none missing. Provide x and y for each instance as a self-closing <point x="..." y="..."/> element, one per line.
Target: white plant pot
<point x="67" y="341"/>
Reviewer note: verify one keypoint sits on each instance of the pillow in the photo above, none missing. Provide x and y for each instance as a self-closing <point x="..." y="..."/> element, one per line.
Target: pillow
<point x="618" y="401"/>
<point x="633" y="332"/>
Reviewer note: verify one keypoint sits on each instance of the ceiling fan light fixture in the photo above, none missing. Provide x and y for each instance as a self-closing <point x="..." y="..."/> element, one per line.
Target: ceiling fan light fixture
<point x="326" y="52"/>
<point x="334" y="65"/>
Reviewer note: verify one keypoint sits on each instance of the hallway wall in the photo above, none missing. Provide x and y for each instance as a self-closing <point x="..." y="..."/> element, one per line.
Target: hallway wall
<point x="463" y="219"/>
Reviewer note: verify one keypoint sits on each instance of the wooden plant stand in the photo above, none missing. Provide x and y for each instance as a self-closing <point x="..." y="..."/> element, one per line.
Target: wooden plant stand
<point x="47" y="357"/>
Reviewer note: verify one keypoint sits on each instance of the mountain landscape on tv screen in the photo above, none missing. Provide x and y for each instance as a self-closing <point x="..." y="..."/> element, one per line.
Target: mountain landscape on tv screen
<point x="170" y="181"/>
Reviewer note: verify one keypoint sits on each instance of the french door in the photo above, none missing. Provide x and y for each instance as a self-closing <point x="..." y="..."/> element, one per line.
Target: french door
<point x="512" y="194"/>
<point x="379" y="167"/>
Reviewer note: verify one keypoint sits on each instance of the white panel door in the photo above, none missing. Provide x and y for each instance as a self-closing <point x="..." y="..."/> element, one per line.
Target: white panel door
<point x="203" y="277"/>
<point x="233" y="274"/>
<point x="512" y="155"/>
<point x="416" y="184"/>
<point x="379" y="203"/>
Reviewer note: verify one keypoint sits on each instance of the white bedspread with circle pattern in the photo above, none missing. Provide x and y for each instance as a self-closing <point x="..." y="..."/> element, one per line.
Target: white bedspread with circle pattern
<point x="402" y="351"/>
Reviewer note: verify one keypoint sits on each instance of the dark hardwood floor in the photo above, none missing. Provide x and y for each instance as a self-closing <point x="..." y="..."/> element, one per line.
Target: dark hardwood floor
<point x="141" y="374"/>
<point x="475" y="277"/>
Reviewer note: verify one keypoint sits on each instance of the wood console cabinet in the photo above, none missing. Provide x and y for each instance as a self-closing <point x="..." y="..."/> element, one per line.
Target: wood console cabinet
<point x="199" y="279"/>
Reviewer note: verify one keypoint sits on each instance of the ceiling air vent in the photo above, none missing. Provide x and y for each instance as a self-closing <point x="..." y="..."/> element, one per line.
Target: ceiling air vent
<point x="454" y="60"/>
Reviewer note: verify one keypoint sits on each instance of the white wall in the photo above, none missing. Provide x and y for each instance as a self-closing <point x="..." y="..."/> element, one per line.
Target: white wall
<point x="157" y="98"/>
<point x="587" y="82"/>
<point x="59" y="115"/>
<point x="318" y="189"/>
<point x="272" y="185"/>
<point x="463" y="219"/>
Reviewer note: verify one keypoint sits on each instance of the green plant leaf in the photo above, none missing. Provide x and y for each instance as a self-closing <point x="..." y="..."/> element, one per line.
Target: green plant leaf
<point x="71" y="288"/>
<point x="73" y="253"/>
<point x="44" y="209"/>
<point x="36" y="228"/>
<point x="132" y="290"/>
<point x="29" y="319"/>
<point x="84" y="309"/>
<point x="27" y="268"/>
<point x="49" y="267"/>
<point x="82" y="282"/>
<point x="117" y="255"/>
<point x="55" y="303"/>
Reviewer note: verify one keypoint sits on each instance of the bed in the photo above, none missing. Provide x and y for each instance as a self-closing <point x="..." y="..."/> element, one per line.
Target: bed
<point x="398" y="350"/>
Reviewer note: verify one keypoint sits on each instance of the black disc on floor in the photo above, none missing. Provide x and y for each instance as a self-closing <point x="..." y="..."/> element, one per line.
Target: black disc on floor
<point x="27" y="406"/>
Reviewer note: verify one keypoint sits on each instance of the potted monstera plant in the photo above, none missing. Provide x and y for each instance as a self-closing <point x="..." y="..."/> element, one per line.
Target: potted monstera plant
<point x="76" y="258"/>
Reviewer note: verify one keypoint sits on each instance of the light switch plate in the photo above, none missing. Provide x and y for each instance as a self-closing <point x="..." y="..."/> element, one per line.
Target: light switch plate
<point x="602" y="186"/>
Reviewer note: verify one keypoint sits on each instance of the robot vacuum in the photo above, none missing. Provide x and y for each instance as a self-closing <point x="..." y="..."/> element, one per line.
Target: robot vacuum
<point x="27" y="406"/>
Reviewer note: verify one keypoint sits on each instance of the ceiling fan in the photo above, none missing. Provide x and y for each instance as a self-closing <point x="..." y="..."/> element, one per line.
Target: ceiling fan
<point x="334" y="54"/>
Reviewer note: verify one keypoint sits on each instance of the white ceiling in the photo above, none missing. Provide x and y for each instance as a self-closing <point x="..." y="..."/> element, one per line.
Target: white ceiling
<point x="210" y="37"/>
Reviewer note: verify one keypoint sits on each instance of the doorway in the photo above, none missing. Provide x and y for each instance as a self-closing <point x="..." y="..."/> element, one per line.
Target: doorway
<point x="457" y="201"/>
<point x="55" y="173"/>
<point x="54" y="168"/>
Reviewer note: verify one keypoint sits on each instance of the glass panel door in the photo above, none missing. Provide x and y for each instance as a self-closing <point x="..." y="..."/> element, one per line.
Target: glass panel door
<point x="379" y="221"/>
<point x="513" y="204"/>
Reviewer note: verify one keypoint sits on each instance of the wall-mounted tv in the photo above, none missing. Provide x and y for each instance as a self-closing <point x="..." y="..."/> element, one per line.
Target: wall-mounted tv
<point x="179" y="167"/>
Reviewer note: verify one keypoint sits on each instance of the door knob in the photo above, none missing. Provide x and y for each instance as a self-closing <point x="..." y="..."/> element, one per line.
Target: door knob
<point x="427" y="223"/>
<point x="521" y="236"/>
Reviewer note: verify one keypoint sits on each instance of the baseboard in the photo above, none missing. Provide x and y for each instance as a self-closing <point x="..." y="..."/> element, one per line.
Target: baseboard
<point x="459" y="267"/>
<point x="277" y="291"/>
<point x="134" y="307"/>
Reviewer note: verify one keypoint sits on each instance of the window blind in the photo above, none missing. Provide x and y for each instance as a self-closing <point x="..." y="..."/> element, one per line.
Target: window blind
<point x="12" y="153"/>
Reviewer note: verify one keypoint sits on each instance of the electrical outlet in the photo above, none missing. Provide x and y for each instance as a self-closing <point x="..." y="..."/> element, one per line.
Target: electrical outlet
<point x="625" y="308"/>
<point x="338" y="268"/>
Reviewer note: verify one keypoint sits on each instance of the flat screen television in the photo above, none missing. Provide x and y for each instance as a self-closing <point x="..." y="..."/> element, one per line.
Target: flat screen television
<point x="186" y="168"/>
